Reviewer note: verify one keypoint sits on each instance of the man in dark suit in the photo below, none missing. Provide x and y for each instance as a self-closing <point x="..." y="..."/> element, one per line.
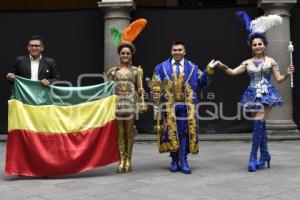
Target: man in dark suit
<point x="34" y="66"/>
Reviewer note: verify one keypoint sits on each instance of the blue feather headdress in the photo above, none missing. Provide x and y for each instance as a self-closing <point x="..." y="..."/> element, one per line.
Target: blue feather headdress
<point x="259" y="26"/>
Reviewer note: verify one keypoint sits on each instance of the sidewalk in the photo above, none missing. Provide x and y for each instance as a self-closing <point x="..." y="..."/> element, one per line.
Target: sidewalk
<point x="219" y="173"/>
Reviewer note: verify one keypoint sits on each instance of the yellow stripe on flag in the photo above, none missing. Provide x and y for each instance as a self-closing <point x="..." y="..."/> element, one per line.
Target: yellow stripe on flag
<point x="60" y="119"/>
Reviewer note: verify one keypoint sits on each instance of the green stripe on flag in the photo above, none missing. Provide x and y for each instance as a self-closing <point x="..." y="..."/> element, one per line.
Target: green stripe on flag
<point x="34" y="93"/>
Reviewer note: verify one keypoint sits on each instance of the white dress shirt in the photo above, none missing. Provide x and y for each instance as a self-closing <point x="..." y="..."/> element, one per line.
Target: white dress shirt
<point x="181" y="67"/>
<point x="34" y="64"/>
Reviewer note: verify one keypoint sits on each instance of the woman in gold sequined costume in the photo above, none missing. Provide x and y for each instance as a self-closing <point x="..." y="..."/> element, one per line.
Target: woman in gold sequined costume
<point x="129" y="91"/>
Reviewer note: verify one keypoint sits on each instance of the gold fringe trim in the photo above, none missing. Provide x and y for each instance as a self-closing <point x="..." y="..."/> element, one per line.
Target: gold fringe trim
<point x="170" y="121"/>
<point x="192" y="121"/>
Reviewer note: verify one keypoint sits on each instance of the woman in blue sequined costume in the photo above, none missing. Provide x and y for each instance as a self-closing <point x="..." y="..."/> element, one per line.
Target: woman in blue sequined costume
<point x="260" y="96"/>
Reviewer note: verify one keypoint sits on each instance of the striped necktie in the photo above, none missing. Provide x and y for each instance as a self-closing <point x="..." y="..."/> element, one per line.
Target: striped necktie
<point x="177" y="68"/>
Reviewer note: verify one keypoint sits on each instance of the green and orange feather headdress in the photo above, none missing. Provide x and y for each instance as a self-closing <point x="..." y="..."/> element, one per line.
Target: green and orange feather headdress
<point x="129" y="34"/>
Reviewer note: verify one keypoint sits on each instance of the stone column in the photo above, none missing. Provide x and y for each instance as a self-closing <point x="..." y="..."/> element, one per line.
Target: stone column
<point x="280" y="119"/>
<point x="116" y="13"/>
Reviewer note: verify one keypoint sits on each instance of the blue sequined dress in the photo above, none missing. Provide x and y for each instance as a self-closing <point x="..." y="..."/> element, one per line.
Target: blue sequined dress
<point x="260" y="90"/>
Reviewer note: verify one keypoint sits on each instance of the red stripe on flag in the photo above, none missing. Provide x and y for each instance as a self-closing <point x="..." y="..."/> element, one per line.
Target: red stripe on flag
<point x="42" y="154"/>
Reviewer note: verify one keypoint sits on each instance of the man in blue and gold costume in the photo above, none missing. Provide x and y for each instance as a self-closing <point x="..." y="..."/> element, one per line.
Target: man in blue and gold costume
<point x="174" y="90"/>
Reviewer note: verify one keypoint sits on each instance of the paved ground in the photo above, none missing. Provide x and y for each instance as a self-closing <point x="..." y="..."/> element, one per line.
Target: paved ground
<point x="219" y="173"/>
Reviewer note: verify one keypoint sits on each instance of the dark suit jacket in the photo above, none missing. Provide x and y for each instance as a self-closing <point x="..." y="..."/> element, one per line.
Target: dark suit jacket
<point x="47" y="68"/>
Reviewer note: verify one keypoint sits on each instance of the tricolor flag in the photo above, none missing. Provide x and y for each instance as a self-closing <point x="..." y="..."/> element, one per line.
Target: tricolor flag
<point x="56" y="131"/>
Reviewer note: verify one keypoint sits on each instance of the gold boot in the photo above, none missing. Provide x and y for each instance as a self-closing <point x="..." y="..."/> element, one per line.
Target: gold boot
<point x="121" y="144"/>
<point x="129" y="144"/>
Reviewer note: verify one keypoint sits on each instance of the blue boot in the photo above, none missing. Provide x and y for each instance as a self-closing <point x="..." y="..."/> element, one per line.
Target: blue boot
<point x="265" y="156"/>
<point x="175" y="159"/>
<point x="255" y="145"/>
<point x="183" y="151"/>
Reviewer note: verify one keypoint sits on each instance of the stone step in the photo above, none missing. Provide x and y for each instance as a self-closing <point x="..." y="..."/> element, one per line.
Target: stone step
<point x="228" y="137"/>
<point x="215" y="137"/>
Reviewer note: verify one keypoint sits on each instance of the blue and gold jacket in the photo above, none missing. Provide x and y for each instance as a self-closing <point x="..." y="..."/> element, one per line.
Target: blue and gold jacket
<point x="182" y="88"/>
